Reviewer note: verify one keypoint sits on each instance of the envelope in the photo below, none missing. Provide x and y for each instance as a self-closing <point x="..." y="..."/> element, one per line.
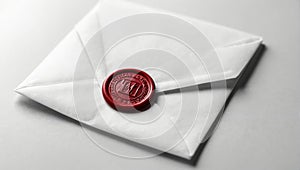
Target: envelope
<point x="189" y="59"/>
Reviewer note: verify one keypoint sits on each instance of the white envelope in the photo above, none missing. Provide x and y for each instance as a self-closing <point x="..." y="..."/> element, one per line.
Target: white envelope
<point x="190" y="92"/>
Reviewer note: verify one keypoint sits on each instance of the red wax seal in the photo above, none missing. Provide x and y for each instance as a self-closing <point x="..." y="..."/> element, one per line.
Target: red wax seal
<point x="128" y="90"/>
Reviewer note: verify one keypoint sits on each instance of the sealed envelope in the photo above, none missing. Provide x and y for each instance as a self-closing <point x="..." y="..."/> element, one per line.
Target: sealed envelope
<point x="151" y="76"/>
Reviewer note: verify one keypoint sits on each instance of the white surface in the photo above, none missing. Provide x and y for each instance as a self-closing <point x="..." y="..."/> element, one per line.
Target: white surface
<point x="260" y="128"/>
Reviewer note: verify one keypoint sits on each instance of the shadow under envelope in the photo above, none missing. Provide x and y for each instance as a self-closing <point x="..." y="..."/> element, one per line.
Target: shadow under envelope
<point x="236" y="84"/>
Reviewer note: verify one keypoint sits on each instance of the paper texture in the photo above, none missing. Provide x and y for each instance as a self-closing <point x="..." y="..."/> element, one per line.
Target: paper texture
<point x="69" y="79"/>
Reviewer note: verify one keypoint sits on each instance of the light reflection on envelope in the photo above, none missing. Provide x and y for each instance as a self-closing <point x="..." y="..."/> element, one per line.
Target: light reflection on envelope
<point x="189" y="60"/>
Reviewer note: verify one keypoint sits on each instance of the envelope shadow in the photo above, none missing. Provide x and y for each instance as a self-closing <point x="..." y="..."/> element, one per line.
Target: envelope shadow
<point x="237" y="84"/>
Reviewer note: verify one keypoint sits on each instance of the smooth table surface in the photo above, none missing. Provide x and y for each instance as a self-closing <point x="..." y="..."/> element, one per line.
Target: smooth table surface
<point x="259" y="130"/>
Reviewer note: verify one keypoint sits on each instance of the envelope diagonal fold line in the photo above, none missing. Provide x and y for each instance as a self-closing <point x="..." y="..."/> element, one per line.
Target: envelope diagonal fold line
<point x="228" y="49"/>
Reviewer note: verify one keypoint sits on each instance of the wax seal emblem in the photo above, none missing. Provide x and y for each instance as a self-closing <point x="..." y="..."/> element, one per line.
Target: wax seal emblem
<point x="129" y="90"/>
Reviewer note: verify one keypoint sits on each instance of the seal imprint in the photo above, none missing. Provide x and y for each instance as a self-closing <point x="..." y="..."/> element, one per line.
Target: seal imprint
<point x="129" y="90"/>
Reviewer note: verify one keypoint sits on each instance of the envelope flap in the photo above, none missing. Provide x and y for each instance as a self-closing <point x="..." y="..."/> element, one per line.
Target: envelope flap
<point x="234" y="48"/>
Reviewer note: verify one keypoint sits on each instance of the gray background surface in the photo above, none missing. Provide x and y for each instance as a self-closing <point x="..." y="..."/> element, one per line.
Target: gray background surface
<point x="260" y="127"/>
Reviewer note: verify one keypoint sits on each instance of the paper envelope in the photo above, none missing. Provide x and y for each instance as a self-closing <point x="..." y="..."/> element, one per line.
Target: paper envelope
<point x="190" y="73"/>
